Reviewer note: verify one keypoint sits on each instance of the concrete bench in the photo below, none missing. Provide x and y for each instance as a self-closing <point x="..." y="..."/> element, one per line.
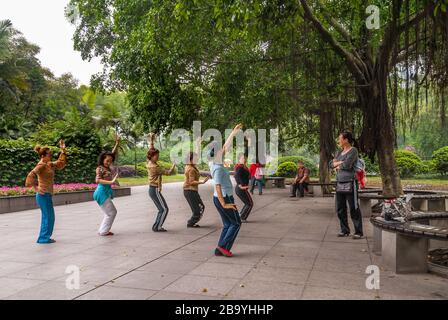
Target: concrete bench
<point x="404" y="245"/>
<point x="275" y="182"/>
<point x="426" y="218"/>
<point x="365" y="202"/>
<point x="430" y="202"/>
<point x="420" y="202"/>
<point x="317" y="189"/>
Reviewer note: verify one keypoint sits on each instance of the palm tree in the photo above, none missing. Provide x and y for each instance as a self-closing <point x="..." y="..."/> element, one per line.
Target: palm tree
<point x="5" y="37"/>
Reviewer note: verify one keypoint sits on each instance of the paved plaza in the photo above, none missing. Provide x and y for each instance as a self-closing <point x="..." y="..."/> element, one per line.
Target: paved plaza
<point x="288" y="250"/>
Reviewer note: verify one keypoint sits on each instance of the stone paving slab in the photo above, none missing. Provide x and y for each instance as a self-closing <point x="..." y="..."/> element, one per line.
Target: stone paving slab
<point x="288" y="250"/>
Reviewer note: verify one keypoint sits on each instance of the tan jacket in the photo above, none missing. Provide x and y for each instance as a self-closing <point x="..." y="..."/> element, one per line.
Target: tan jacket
<point x="155" y="173"/>
<point x="44" y="172"/>
<point x="191" y="175"/>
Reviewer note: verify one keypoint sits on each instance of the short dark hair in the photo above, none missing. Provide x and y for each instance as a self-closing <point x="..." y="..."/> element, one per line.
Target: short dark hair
<point x="300" y="161"/>
<point x="103" y="155"/>
<point x="348" y="136"/>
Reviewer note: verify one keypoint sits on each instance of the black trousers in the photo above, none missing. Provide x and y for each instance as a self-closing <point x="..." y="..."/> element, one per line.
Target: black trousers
<point x="301" y="187"/>
<point x="196" y="205"/>
<point x="355" y="213"/>
<point x="245" y="196"/>
<point x="161" y="205"/>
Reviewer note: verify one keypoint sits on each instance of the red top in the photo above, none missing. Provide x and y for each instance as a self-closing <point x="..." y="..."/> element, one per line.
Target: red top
<point x="253" y="168"/>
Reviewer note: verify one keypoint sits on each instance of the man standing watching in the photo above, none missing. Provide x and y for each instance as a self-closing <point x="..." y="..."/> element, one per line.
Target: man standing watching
<point x="301" y="181"/>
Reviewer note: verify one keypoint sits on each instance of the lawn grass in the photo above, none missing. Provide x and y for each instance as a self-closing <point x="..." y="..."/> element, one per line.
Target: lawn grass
<point x="143" y="181"/>
<point x="439" y="183"/>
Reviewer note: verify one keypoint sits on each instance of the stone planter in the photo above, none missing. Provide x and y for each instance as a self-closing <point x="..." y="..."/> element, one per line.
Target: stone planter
<point x="20" y="203"/>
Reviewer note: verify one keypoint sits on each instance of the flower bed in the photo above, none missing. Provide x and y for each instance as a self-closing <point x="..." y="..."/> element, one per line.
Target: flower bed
<point x="19" y="198"/>
<point x="59" y="188"/>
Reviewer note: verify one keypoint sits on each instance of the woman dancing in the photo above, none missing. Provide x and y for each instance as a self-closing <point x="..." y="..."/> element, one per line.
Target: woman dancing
<point x="43" y="185"/>
<point x="191" y="192"/>
<point x="155" y="173"/>
<point x="242" y="178"/>
<point x="104" y="194"/>
<point x="223" y="196"/>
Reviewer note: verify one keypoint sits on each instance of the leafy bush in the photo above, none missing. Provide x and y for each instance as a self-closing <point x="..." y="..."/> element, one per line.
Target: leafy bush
<point x="17" y="159"/>
<point x="126" y="171"/>
<point x="440" y="159"/>
<point x="427" y="167"/>
<point x="294" y="159"/>
<point x="408" y="163"/>
<point x="372" y="168"/>
<point x="127" y="157"/>
<point x="287" y="170"/>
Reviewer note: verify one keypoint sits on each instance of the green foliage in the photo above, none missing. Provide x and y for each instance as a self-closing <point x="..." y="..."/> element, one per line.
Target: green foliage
<point x="427" y="167"/>
<point x="440" y="159"/>
<point x="408" y="163"/>
<point x="141" y="169"/>
<point x="127" y="157"/>
<point x="18" y="159"/>
<point x="372" y="168"/>
<point x="294" y="159"/>
<point x="287" y="170"/>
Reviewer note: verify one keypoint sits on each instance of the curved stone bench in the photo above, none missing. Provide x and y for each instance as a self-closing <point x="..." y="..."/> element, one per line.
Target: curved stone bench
<point x="404" y="245"/>
<point x="422" y="200"/>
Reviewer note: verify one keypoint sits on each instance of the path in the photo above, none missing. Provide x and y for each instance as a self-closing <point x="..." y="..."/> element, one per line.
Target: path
<point x="289" y="250"/>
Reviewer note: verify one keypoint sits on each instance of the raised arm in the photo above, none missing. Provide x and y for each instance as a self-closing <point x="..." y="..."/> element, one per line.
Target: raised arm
<point x="117" y="144"/>
<point x="62" y="160"/>
<point x="232" y="135"/>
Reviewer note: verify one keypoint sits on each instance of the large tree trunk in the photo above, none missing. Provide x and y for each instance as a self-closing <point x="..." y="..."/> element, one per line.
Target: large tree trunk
<point x="327" y="145"/>
<point x="378" y="134"/>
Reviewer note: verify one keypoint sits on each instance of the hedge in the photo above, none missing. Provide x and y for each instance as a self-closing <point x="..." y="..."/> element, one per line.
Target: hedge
<point x="307" y="162"/>
<point x="18" y="158"/>
<point x="440" y="160"/>
<point x="287" y="170"/>
<point x="409" y="164"/>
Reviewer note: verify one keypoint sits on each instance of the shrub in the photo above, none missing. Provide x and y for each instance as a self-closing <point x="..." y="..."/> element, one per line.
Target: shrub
<point x="372" y="168"/>
<point x="17" y="159"/>
<point x="287" y="170"/>
<point x="126" y="171"/>
<point x="440" y="159"/>
<point x="408" y="163"/>
<point x="427" y="167"/>
<point x="294" y="159"/>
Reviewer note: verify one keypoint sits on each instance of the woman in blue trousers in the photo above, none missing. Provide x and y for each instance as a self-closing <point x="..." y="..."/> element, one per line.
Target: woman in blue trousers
<point x="223" y="196"/>
<point x="41" y="178"/>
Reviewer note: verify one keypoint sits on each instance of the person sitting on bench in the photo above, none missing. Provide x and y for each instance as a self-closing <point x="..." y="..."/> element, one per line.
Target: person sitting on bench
<point x="301" y="181"/>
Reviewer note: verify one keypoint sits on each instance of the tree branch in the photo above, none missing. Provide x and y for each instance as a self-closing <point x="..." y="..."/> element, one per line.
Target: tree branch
<point x="349" y="58"/>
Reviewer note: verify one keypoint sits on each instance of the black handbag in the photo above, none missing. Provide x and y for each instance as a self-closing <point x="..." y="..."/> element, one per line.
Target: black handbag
<point x="344" y="187"/>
